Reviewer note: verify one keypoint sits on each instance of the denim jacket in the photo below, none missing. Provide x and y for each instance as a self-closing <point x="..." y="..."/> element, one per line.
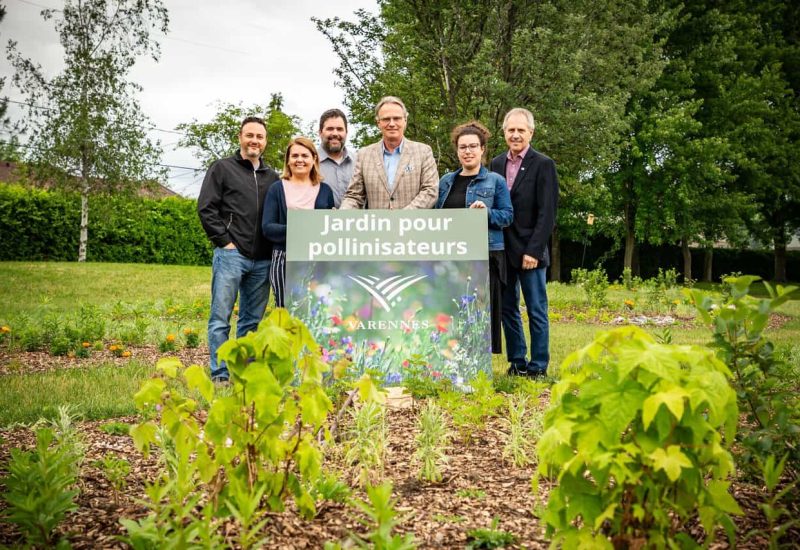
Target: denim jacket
<point x="491" y="189"/>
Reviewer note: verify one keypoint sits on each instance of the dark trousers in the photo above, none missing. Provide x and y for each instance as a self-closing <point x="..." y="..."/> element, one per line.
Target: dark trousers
<point x="532" y="282"/>
<point x="497" y="282"/>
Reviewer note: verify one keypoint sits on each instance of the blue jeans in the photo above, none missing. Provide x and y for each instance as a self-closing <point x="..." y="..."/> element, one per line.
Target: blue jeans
<point x="534" y="289"/>
<point x="232" y="274"/>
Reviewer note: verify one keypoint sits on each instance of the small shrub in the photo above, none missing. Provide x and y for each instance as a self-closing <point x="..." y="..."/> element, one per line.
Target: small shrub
<point x="40" y="485"/>
<point x="490" y="538"/>
<point x="116" y="428"/>
<point x="367" y="439"/>
<point x="167" y="344"/>
<point x="192" y="338"/>
<point x="432" y="440"/>
<point x="331" y="487"/>
<point x="594" y="284"/>
<point x="766" y="386"/>
<point x="775" y="507"/>
<point x="116" y="471"/>
<point x="637" y="435"/>
<point x="381" y="519"/>
<point x="469" y="412"/>
<point x="524" y="428"/>
<point x="60" y="346"/>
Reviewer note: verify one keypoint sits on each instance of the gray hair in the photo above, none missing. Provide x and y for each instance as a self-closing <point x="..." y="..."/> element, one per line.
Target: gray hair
<point x="391" y="99"/>
<point x="520" y="111"/>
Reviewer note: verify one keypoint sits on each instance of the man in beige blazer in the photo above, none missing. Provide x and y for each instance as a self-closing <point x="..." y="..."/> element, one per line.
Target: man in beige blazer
<point x="395" y="172"/>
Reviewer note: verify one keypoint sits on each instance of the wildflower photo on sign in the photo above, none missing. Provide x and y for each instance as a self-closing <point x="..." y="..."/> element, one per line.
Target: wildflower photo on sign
<point x="385" y="288"/>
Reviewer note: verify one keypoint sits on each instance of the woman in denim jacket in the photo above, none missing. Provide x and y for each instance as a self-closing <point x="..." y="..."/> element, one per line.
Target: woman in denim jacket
<point x="473" y="186"/>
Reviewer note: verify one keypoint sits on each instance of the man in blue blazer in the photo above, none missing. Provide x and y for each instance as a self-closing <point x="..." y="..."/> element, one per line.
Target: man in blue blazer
<point x="533" y="182"/>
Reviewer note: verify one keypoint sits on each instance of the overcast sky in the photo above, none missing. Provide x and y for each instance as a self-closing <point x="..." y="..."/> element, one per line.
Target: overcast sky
<point x="240" y="50"/>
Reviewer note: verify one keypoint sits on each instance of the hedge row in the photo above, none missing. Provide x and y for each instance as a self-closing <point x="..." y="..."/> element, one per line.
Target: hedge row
<point x="38" y="224"/>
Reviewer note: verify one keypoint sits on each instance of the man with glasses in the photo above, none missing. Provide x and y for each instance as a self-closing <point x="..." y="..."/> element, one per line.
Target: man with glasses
<point x="395" y="172"/>
<point x="533" y="182"/>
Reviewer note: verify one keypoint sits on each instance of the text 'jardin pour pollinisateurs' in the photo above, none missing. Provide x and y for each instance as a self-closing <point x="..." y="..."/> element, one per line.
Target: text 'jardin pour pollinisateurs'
<point x="419" y="236"/>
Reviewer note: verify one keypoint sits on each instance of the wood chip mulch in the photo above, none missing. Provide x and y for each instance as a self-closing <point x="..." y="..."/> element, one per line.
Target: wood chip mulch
<point x="41" y="361"/>
<point x="437" y="514"/>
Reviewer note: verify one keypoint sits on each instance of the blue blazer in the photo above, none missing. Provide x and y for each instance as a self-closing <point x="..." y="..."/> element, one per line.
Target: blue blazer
<point x="273" y="222"/>
<point x="491" y="189"/>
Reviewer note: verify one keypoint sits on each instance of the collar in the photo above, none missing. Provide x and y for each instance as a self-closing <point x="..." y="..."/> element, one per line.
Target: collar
<point x="398" y="150"/>
<point x="244" y="162"/>
<point x="524" y="152"/>
<point x="323" y="155"/>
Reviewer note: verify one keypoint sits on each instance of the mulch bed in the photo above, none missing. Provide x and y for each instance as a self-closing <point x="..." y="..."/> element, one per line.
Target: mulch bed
<point x="435" y="513"/>
<point x="41" y="361"/>
<point x="438" y="517"/>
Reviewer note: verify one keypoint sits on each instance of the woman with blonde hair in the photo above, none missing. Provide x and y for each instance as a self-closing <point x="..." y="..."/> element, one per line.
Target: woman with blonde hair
<point x="300" y="188"/>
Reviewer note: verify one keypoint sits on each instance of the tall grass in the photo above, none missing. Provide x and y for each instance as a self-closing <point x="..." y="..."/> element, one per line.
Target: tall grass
<point x="97" y="392"/>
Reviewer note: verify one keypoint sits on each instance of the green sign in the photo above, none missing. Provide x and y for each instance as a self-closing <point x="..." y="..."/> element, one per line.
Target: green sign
<point x="378" y="235"/>
<point x="394" y="290"/>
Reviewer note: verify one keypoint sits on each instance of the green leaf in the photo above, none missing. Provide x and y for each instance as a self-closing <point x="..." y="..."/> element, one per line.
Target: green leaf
<point x="273" y="338"/>
<point x="671" y="461"/>
<point x="150" y="393"/>
<point x="368" y="391"/>
<point x="722" y="499"/>
<point x="315" y="405"/>
<point x="672" y="399"/>
<point x="196" y="378"/>
<point x="169" y="366"/>
<point x="143" y="436"/>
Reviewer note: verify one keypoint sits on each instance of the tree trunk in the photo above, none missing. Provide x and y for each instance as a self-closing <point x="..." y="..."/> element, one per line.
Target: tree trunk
<point x="555" y="257"/>
<point x="84" y="224"/>
<point x="779" y="243"/>
<point x="630" y="244"/>
<point x="687" y="260"/>
<point x="708" y="264"/>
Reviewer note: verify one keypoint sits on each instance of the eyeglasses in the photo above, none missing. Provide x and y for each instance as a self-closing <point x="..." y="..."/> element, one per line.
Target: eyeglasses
<point x="472" y="147"/>
<point x="388" y="119"/>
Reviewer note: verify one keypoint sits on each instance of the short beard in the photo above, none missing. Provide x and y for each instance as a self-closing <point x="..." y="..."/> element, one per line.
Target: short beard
<point x="326" y="145"/>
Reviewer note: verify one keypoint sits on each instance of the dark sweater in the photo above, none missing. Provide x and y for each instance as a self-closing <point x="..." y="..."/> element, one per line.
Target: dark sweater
<point x="273" y="222"/>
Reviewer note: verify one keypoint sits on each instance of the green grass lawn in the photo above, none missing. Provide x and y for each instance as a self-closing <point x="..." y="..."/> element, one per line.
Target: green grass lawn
<point x="140" y="304"/>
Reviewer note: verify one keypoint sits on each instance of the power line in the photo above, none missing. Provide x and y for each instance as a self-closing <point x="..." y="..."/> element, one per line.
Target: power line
<point x="175" y="166"/>
<point x="29" y="104"/>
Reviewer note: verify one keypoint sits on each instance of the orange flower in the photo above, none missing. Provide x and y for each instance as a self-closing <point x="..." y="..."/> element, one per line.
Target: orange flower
<point x="86" y="344"/>
<point x="5" y="329"/>
<point x="170" y="338"/>
<point x="442" y="322"/>
<point x="629" y="303"/>
<point x="187" y="331"/>
<point x="126" y="353"/>
<point x="113" y="347"/>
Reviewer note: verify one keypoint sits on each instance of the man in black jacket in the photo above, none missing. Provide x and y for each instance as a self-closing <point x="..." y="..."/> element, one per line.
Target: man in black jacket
<point x="230" y="205"/>
<point x="533" y="182"/>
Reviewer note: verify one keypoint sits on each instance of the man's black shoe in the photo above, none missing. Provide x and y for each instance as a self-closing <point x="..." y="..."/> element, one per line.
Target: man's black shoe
<point x="515" y="369"/>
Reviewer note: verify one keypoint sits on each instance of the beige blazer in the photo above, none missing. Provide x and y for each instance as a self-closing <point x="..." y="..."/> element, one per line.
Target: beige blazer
<point x="416" y="183"/>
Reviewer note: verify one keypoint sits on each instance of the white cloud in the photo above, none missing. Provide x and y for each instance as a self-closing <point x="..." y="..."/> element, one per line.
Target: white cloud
<point x="237" y="51"/>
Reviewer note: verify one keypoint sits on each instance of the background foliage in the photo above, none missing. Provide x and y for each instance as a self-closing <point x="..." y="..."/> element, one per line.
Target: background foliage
<point x="43" y="225"/>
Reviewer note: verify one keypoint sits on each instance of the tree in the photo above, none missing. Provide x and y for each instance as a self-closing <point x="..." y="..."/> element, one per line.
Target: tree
<point x="218" y="138"/>
<point x="573" y="63"/>
<point x="9" y="146"/>
<point x="86" y="127"/>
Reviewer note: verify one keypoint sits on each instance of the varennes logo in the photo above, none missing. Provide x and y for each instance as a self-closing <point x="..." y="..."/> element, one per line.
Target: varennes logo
<point x="386" y="291"/>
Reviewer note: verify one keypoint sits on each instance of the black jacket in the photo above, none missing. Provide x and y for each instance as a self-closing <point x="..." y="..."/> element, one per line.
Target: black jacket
<point x="231" y="203"/>
<point x="534" y="197"/>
